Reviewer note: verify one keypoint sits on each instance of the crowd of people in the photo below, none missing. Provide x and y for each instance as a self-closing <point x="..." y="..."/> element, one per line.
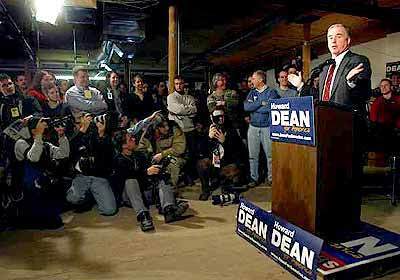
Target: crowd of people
<point x="69" y="147"/>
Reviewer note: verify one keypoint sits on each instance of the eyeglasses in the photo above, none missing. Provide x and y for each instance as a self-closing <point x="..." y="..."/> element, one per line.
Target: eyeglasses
<point x="7" y="84"/>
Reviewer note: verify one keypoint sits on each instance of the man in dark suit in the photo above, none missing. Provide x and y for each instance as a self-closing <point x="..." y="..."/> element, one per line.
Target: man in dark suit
<point x="346" y="78"/>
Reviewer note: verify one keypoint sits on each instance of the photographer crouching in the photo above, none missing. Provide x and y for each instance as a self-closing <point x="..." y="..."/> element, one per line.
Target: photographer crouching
<point x="169" y="145"/>
<point x="227" y="154"/>
<point x="132" y="171"/>
<point x="39" y="160"/>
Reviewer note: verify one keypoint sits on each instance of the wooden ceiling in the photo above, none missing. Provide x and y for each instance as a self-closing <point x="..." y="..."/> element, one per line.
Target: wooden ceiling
<point x="225" y="33"/>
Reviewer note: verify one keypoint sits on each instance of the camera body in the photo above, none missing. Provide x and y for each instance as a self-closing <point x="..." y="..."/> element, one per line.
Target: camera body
<point x="60" y="122"/>
<point x="109" y="119"/>
<point x="163" y="164"/>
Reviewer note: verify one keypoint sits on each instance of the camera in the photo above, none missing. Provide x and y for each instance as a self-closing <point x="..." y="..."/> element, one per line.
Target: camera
<point x="86" y="162"/>
<point x="163" y="164"/>
<point x="110" y="120"/>
<point x="225" y="199"/>
<point x="59" y="122"/>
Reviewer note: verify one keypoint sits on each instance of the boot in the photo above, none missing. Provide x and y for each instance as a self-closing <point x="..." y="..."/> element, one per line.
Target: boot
<point x="174" y="213"/>
<point x="146" y="223"/>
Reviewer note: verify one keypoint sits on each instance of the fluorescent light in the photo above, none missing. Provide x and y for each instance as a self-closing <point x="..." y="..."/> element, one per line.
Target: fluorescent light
<point x="70" y="77"/>
<point x="47" y="11"/>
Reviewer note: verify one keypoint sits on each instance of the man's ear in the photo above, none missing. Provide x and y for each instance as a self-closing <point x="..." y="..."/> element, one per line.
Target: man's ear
<point x="348" y="41"/>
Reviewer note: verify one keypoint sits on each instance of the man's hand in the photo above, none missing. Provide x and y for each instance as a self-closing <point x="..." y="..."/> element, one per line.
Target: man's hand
<point x="40" y="127"/>
<point x="355" y="71"/>
<point x="212" y="132"/>
<point x="85" y="122"/>
<point x="220" y="136"/>
<point x="296" y="80"/>
<point x="101" y="128"/>
<point x="157" y="157"/>
<point x="153" y="170"/>
<point x="247" y="119"/>
<point x="155" y="114"/>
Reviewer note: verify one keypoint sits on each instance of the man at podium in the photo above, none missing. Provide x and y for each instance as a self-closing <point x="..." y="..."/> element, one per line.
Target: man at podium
<point x="345" y="79"/>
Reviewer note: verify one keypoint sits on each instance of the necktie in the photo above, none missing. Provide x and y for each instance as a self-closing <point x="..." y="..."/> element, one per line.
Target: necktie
<point x="328" y="83"/>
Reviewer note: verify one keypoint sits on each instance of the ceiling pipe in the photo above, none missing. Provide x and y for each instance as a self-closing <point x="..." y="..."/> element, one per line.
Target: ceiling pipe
<point x="27" y="47"/>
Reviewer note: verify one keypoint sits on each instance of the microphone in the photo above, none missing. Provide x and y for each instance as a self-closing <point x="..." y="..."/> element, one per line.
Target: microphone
<point x="323" y="64"/>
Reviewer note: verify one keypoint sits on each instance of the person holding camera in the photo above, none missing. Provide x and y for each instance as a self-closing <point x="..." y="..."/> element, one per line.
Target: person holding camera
<point x="169" y="145"/>
<point x="226" y="155"/>
<point x="93" y="151"/>
<point x="132" y="171"/>
<point x="39" y="159"/>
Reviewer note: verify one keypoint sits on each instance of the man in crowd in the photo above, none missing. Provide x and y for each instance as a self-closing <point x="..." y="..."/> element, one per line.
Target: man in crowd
<point x="14" y="105"/>
<point x="22" y="86"/>
<point x="83" y="98"/>
<point x="131" y="174"/>
<point x="39" y="158"/>
<point x="256" y="104"/>
<point x="385" y="110"/>
<point x="181" y="106"/>
<point x="283" y="90"/>
<point x="170" y="142"/>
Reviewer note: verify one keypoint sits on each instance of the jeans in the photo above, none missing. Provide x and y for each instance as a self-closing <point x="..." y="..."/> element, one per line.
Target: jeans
<point x="255" y="136"/>
<point x="100" y="189"/>
<point x="132" y="195"/>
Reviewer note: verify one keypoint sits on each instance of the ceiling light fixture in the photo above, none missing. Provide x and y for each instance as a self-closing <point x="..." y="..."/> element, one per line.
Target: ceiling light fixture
<point x="48" y="11"/>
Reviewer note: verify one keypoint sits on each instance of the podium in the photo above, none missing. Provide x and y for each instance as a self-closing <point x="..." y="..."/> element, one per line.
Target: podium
<point x="317" y="187"/>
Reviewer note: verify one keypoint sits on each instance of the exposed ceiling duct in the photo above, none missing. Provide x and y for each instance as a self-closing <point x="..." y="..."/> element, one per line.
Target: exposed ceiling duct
<point x="135" y="4"/>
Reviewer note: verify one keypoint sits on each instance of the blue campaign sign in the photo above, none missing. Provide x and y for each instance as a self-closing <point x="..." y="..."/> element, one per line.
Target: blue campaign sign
<point x="292" y="120"/>
<point x="368" y="245"/>
<point x="290" y="246"/>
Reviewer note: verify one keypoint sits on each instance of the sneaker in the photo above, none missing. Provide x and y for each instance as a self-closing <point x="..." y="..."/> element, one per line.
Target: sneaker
<point x="204" y="196"/>
<point x="173" y="213"/>
<point x="253" y="184"/>
<point x="146" y="223"/>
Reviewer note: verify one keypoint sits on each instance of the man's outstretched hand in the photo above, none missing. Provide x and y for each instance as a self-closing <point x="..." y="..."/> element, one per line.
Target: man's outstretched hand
<point x="296" y="80"/>
<point x="355" y="71"/>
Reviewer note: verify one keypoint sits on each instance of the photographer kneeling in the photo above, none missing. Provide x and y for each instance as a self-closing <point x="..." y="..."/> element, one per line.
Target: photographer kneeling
<point x="92" y="147"/>
<point x="39" y="159"/>
<point x="131" y="170"/>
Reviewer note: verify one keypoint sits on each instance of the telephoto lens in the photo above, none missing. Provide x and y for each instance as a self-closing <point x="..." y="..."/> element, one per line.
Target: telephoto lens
<point x="225" y="199"/>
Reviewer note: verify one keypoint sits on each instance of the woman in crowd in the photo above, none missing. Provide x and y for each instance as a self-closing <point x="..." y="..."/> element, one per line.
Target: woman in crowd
<point x="138" y="105"/>
<point x="41" y="79"/>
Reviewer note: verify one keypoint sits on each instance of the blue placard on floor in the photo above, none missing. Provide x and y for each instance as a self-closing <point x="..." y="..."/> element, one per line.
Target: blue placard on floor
<point x="291" y="247"/>
<point x="292" y="120"/>
<point x="365" y="247"/>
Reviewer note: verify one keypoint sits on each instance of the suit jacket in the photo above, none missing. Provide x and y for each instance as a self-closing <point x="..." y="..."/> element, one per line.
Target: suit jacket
<point x="341" y="92"/>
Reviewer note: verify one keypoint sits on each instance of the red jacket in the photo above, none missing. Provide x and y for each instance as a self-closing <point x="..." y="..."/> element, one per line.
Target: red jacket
<point x="38" y="95"/>
<point x="386" y="111"/>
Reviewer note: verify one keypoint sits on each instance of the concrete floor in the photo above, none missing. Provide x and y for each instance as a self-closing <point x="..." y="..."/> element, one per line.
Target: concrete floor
<point x="204" y="246"/>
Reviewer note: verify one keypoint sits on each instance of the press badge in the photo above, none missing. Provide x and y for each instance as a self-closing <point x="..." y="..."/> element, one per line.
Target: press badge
<point x="109" y="95"/>
<point x="14" y="112"/>
<point x="88" y="94"/>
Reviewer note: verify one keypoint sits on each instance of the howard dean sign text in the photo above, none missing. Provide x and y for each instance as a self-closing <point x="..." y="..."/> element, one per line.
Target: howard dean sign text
<point x="292" y="120"/>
